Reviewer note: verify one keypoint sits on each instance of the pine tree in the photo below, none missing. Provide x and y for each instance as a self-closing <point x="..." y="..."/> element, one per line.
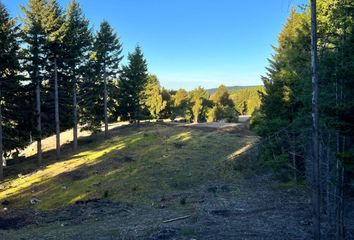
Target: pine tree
<point x="132" y="83"/>
<point x="10" y="136"/>
<point x="34" y="37"/>
<point x="106" y="56"/>
<point x="54" y="29"/>
<point x="77" y="43"/>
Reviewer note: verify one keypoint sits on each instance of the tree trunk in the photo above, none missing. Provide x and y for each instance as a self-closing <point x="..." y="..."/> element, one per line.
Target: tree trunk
<point x="56" y="102"/>
<point x="1" y="149"/>
<point x="293" y="145"/>
<point x="75" y="114"/>
<point x="138" y="115"/>
<point x="105" y="105"/>
<point x="39" y="121"/>
<point x="315" y="127"/>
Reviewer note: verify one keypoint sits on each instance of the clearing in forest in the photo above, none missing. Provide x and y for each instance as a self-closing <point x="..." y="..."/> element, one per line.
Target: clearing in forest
<point x="127" y="186"/>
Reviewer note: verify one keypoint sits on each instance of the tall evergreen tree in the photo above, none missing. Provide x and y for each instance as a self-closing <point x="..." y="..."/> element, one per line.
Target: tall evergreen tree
<point x="132" y="83"/>
<point x="10" y="89"/>
<point x="77" y="43"/>
<point x="54" y="29"/>
<point x="34" y="38"/>
<point x="105" y="59"/>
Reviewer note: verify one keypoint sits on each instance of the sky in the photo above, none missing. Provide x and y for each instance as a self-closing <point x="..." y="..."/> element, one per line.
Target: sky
<point x="191" y="43"/>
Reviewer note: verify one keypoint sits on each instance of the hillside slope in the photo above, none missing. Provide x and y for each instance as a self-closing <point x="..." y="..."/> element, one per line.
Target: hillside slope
<point x="131" y="185"/>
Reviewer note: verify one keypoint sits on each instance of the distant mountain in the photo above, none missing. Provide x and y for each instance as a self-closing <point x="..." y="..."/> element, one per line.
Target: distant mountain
<point x="231" y="88"/>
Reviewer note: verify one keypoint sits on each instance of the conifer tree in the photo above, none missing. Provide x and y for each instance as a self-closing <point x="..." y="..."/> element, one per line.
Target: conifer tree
<point x="54" y="29"/>
<point x="132" y="83"/>
<point x="105" y="59"/>
<point x="10" y="110"/>
<point x="77" y="43"/>
<point x="34" y="38"/>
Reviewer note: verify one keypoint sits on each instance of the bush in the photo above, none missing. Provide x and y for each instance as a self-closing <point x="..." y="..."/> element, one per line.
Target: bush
<point x="219" y="112"/>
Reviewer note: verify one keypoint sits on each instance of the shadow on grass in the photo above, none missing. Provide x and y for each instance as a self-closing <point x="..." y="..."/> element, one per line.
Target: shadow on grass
<point x="129" y="166"/>
<point x="27" y="165"/>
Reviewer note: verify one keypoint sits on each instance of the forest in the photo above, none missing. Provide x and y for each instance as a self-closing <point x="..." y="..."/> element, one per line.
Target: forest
<point x="57" y="74"/>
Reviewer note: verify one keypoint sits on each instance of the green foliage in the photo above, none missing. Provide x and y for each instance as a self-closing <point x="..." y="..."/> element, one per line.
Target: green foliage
<point x="223" y="108"/>
<point x="244" y="108"/>
<point x="248" y="95"/>
<point x="13" y="102"/>
<point x="153" y="97"/>
<point x="286" y="102"/>
<point x="180" y="102"/>
<point x="220" y="112"/>
<point x="222" y="97"/>
<point x="199" y="101"/>
<point x="132" y="83"/>
<point x="104" y="63"/>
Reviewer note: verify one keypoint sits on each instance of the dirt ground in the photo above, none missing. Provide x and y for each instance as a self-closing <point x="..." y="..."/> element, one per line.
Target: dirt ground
<point x="252" y="206"/>
<point x="244" y="209"/>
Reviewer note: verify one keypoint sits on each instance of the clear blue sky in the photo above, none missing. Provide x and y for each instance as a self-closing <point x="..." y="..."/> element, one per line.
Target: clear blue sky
<point x="188" y="43"/>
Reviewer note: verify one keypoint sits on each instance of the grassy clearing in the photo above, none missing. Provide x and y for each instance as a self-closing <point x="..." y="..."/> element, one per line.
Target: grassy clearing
<point x="134" y="165"/>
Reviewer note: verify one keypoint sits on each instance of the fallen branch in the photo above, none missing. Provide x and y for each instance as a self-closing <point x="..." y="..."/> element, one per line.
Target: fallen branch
<point x="176" y="219"/>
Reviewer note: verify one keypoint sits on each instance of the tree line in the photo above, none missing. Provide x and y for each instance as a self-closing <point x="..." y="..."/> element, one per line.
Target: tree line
<point x="286" y="103"/>
<point x="57" y="73"/>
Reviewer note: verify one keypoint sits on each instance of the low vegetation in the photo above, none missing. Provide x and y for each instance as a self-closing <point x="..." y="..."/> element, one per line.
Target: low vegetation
<point x="131" y="166"/>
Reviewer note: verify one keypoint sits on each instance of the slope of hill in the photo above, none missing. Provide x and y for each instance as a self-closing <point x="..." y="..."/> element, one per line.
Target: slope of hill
<point x="157" y="181"/>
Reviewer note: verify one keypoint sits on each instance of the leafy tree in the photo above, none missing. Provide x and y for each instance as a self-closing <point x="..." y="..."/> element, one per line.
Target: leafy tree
<point x="244" y="108"/>
<point x="249" y="94"/>
<point x="77" y="43"/>
<point x="132" y="83"/>
<point x="102" y="70"/>
<point x="168" y="111"/>
<point x="180" y="102"/>
<point x="223" y="108"/>
<point x="199" y="99"/>
<point x="220" y="112"/>
<point x="153" y="97"/>
<point x="222" y="97"/>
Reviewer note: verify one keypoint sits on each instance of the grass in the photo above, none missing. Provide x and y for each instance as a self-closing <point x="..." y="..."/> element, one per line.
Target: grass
<point x="133" y="165"/>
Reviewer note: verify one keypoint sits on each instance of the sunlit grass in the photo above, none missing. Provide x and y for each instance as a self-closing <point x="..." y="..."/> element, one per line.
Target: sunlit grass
<point x="131" y="166"/>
